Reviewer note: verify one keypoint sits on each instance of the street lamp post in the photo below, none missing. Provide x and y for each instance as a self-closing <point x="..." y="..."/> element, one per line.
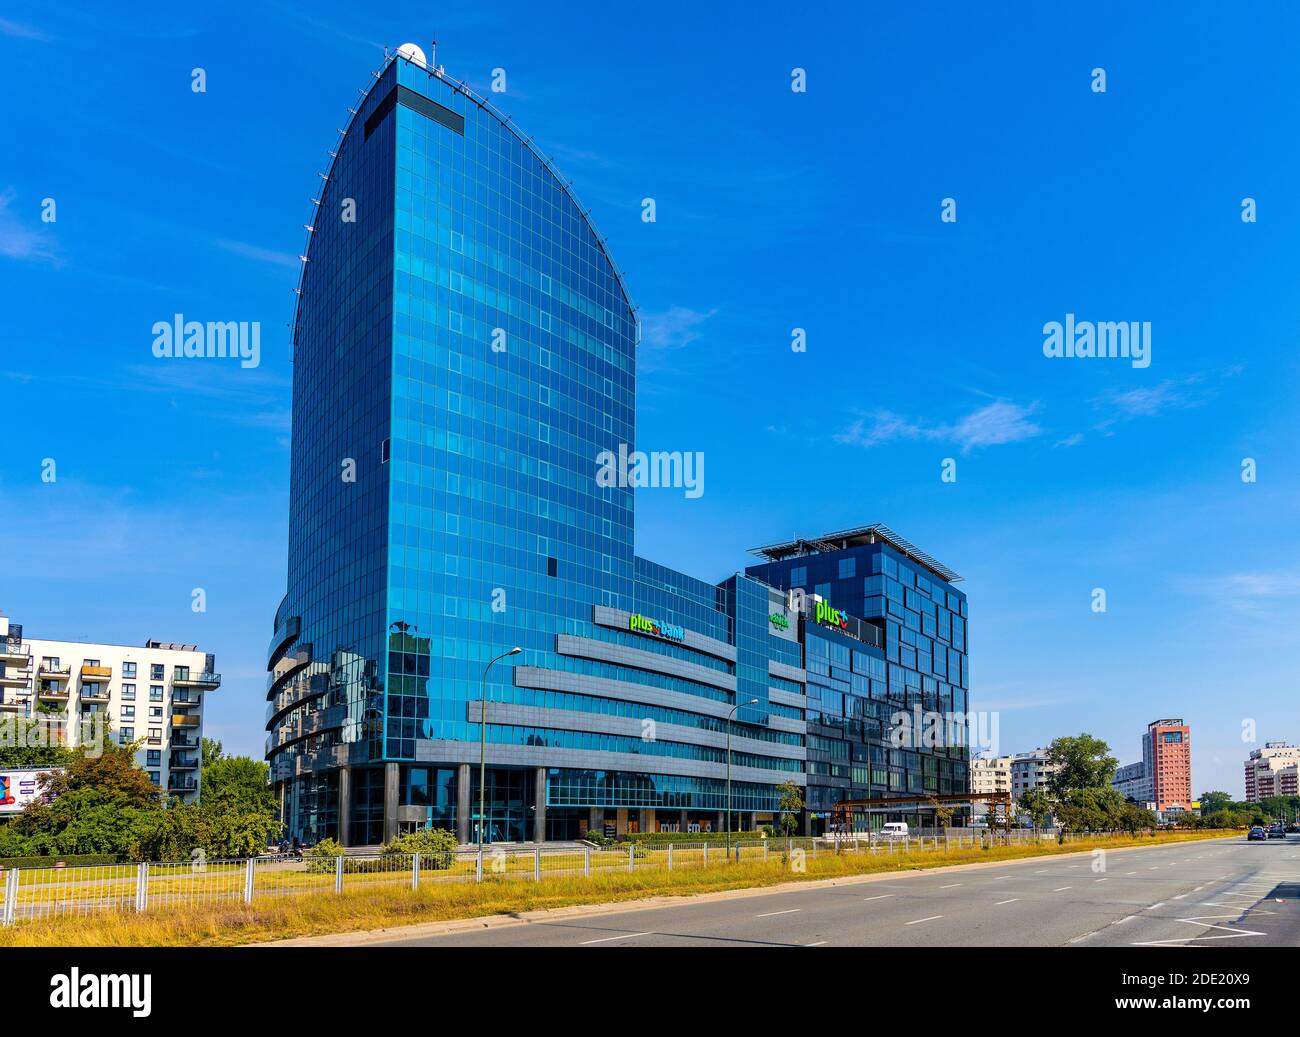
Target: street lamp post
<point x="482" y="744"/>
<point x="729" y="716"/>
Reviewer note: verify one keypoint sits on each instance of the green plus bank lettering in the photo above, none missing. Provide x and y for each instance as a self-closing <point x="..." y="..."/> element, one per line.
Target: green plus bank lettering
<point x="831" y="617"/>
<point x="645" y="625"/>
<point x="779" y="621"/>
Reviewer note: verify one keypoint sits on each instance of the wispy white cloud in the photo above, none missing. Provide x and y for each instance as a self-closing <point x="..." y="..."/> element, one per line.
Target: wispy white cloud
<point x="262" y="255"/>
<point x="1252" y="591"/>
<point x="21" y="31"/>
<point x="994" y="424"/>
<point x="18" y="240"/>
<point x="672" y="328"/>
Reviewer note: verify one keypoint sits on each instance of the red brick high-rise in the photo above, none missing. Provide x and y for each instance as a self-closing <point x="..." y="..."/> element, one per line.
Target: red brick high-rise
<point x="1167" y="754"/>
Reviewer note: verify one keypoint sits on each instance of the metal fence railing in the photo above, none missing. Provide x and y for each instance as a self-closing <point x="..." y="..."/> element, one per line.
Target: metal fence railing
<point x="49" y="892"/>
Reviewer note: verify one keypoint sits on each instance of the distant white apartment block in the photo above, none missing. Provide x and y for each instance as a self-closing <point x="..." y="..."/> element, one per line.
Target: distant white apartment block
<point x="1273" y="771"/>
<point x="1030" y="770"/>
<point x="154" y="693"/>
<point x="989" y="774"/>
<point x="1133" y="782"/>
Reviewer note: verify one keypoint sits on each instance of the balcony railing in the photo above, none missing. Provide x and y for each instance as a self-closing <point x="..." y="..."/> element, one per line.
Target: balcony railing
<point x="91" y="673"/>
<point x="53" y="669"/>
<point x="197" y="680"/>
<point x="56" y="694"/>
<point x="184" y="763"/>
<point x="180" y="720"/>
<point x="179" y="785"/>
<point x="101" y="695"/>
<point x="11" y="651"/>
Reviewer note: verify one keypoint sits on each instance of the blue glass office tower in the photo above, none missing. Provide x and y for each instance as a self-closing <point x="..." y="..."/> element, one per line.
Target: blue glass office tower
<point x="464" y="350"/>
<point x="889" y="647"/>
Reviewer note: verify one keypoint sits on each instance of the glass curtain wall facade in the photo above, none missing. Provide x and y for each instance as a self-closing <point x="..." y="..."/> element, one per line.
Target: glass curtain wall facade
<point x="908" y="656"/>
<point x="464" y="350"/>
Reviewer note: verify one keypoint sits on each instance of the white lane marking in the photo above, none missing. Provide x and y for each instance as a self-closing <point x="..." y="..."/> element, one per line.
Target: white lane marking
<point x="1179" y="897"/>
<point x="1102" y="879"/>
<point x="607" y="939"/>
<point x="1232" y="934"/>
<point x="773" y="914"/>
<point x="819" y="943"/>
<point x="1154" y="906"/>
<point x="1128" y="919"/>
<point x="1062" y="889"/>
<point x="918" y="921"/>
<point x="880" y="897"/>
<point x="1011" y="901"/>
<point x="951" y="885"/>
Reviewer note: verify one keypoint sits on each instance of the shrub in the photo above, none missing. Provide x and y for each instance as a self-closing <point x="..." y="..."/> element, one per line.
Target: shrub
<point x="436" y="847"/>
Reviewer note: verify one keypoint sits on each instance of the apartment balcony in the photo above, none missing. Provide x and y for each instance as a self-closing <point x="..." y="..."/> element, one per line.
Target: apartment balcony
<point x="100" y="695"/>
<point x="96" y="673"/>
<point x="15" y="653"/>
<point x="180" y="741"/>
<point x="197" y="680"/>
<point x="186" y="698"/>
<point x="183" y="763"/>
<point x="182" y="786"/>
<point x="53" y="694"/>
<point x="182" y="720"/>
<point x="13" y="703"/>
<point x="54" y="670"/>
<point x="15" y="679"/>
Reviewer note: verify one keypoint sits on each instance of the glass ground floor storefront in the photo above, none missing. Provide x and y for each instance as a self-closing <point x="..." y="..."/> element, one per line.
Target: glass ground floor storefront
<point x="371" y="804"/>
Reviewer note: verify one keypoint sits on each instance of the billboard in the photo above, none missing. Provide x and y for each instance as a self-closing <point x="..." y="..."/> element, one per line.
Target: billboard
<point x="18" y="788"/>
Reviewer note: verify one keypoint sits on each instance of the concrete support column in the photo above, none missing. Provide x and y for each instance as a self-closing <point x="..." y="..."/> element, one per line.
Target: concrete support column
<point x="390" y="801"/>
<point x="345" y="806"/>
<point x="594" y="823"/>
<point x="683" y="822"/>
<point x="620" y="822"/>
<point x="539" y="802"/>
<point x="462" y="803"/>
<point x="721" y="824"/>
<point x="648" y="820"/>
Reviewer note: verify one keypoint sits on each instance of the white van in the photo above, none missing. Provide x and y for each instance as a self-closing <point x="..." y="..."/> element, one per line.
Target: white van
<point x="894" y="830"/>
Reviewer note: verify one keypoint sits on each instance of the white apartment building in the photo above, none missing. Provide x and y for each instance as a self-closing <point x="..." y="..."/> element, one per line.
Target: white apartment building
<point x="1030" y="770"/>
<point x="154" y="693"/>
<point x="1273" y="771"/>
<point x="989" y="774"/>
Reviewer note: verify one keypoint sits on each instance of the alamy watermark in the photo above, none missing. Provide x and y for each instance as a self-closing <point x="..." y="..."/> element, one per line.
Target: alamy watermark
<point x="192" y="339"/>
<point x="1107" y="339"/>
<point x="659" y="468"/>
<point x="919" y="728"/>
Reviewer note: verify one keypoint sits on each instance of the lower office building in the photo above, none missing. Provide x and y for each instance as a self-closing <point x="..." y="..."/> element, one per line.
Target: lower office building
<point x="153" y="694"/>
<point x="466" y="355"/>
<point x="1132" y="783"/>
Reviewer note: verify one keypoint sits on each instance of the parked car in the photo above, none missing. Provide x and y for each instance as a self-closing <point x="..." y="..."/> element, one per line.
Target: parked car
<point x="1293" y="829"/>
<point x="1277" y="830"/>
<point x="1256" y="832"/>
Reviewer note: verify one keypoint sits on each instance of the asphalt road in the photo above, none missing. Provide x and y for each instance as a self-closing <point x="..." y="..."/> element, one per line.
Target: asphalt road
<point x="1228" y="892"/>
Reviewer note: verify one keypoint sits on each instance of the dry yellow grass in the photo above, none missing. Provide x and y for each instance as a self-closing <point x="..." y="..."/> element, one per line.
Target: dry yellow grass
<point x="281" y="917"/>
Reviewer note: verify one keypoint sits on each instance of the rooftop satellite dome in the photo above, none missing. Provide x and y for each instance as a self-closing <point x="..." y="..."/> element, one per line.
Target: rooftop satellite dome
<point x="413" y="54"/>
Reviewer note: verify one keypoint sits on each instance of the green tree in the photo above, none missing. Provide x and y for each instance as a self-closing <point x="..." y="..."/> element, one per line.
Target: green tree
<point x="1213" y="802"/>
<point x="1085" y="763"/>
<point x="235" y="783"/>
<point x="791" y="805"/>
<point x="100" y="803"/>
<point x="1038" y="805"/>
<point x="30" y="743"/>
<point x="1095" y="809"/>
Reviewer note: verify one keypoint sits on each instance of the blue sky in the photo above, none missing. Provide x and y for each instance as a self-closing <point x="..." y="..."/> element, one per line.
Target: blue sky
<point x="775" y="210"/>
